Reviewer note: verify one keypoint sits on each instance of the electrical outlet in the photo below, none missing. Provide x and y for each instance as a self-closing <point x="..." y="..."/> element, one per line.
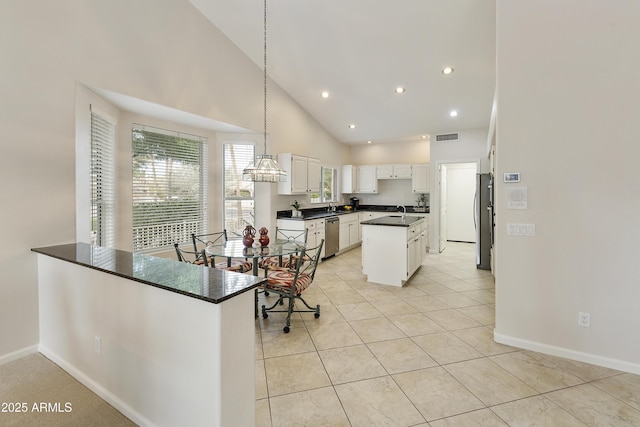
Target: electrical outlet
<point x="97" y="344"/>
<point x="584" y="319"/>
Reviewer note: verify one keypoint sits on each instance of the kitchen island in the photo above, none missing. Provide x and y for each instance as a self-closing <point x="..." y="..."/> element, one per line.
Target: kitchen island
<point x="164" y="342"/>
<point x="393" y="247"/>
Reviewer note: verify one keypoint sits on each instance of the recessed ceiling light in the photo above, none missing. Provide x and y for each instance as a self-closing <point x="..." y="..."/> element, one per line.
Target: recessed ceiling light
<point x="352" y="126"/>
<point x="423" y="136"/>
<point x="325" y="94"/>
<point x="400" y="89"/>
<point x="368" y="142"/>
<point x="453" y="113"/>
<point x="447" y="70"/>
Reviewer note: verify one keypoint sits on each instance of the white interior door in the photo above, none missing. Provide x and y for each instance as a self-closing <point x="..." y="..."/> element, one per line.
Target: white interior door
<point x="461" y="188"/>
<point x="443" y="208"/>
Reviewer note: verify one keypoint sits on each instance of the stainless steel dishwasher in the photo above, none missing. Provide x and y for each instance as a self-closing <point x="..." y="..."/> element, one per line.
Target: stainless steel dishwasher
<point x="332" y="236"/>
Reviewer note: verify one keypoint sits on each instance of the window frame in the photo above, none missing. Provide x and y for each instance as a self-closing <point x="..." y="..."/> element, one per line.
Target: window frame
<point x="243" y="162"/>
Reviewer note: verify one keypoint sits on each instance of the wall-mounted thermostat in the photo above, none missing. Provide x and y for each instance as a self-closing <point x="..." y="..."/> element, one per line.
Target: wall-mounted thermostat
<point x="512" y="177"/>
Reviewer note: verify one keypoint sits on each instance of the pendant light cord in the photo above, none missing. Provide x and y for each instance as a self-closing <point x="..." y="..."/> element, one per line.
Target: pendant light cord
<point x="265" y="76"/>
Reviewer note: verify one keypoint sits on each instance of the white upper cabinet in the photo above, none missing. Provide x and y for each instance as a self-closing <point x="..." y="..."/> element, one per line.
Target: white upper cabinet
<point x="359" y="179"/>
<point x="384" y="171"/>
<point x="367" y="179"/>
<point x="420" y="178"/>
<point x="402" y="171"/>
<point x="303" y="174"/>
<point x="349" y="179"/>
<point x="313" y="175"/>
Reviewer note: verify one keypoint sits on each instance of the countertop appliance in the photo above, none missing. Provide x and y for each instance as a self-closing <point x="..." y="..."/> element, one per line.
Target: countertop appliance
<point x="483" y="220"/>
<point x="332" y="236"/>
<point x="355" y="202"/>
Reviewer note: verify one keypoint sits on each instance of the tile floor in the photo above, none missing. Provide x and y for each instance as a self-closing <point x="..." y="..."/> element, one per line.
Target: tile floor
<point x="421" y="355"/>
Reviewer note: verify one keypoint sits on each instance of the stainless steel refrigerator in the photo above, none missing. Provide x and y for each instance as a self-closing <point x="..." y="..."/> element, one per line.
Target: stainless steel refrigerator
<point x="483" y="220"/>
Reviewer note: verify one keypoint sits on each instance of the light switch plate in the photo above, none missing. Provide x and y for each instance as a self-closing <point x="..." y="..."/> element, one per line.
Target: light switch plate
<point x="526" y="230"/>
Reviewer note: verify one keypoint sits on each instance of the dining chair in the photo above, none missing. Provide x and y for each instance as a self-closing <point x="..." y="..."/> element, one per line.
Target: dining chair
<point x="292" y="282"/>
<point x="201" y="241"/>
<point x="199" y="257"/>
<point x="284" y="234"/>
<point x="202" y="259"/>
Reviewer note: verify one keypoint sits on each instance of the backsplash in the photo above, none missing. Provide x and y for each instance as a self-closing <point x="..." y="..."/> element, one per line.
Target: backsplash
<point x="392" y="192"/>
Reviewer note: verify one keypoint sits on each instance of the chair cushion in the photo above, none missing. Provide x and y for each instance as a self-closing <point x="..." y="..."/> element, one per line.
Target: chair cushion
<point x="283" y="280"/>
<point x="274" y="261"/>
<point x="239" y="266"/>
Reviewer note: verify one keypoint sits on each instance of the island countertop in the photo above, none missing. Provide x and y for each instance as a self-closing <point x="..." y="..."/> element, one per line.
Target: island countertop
<point x="393" y="220"/>
<point x="205" y="283"/>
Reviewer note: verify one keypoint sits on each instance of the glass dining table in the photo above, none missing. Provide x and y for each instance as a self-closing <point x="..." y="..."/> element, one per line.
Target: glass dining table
<point x="235" y="249"/>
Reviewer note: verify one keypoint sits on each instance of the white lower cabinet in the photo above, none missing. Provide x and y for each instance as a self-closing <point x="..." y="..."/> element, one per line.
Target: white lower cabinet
<point x="414" y="248"/>
<point x="349" y="230"/>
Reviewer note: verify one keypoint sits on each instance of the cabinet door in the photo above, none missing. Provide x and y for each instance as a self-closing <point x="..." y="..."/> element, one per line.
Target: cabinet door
<point x="402" y="171"/>
<point x="354" y="233"/>
<point x="414" y="255"/>
<point x="344" y="236"/>
<point x="349" y="179"/>
<point x="320" y="234"/>
<point x="420" y="178"/>
<point x="384" y="171"/>
<point x="310" y="225"/>
<point x="313" y="175"/>
<point x="367" y="179"/>
<point x="298" y="174"/>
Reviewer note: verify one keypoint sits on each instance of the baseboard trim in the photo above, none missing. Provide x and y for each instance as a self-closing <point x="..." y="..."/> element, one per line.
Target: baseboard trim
<point x="590" y="358"/>
<point x="19" y="354"/>
<point x="92" y="385"/>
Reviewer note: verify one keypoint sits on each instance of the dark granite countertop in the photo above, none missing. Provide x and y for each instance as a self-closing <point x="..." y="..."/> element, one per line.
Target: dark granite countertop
<point x="315" y="213"/>
<point x="208" y="284"/>
<point x="393" y="220"/>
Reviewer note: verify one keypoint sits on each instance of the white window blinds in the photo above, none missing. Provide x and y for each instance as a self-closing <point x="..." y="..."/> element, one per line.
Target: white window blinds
<point x="169" y="187"/>
<point x="102" y="181"/>
<point x="238" y="194"/>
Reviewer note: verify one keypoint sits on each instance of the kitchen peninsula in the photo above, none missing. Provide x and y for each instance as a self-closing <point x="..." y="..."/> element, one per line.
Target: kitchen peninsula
<point x="164" y="342"/>
<point x="393" y="247"/>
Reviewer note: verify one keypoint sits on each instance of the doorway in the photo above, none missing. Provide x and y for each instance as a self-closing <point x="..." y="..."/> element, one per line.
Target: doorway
<point x="457" y="192"/>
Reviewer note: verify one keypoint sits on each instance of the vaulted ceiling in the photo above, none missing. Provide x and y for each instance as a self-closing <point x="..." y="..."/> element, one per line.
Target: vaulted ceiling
<point x="360" y="51"/>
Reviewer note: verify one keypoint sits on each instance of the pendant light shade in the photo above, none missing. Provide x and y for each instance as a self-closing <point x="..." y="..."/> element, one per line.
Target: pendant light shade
<point x="265" y="168"/>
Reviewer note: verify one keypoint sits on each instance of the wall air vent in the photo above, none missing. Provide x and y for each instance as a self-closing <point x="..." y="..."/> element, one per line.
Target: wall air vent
<point x="447" y="137"/>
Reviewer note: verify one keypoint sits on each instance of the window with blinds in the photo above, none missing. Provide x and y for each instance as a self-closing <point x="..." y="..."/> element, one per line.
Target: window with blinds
<point x="169" y="187"/>
<point x="238" y="194"/>
<point x="102" y="181"/>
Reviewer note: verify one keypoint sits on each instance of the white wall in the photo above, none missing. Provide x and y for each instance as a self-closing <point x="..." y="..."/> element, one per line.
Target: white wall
<point x="472" y="147"/>
<point x="567" y="103"/>
<point x="392" y="152"/>
<point x="162" y="52"/>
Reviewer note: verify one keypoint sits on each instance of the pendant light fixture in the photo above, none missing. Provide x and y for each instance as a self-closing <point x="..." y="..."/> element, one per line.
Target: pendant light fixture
<point x="265" y="168"/>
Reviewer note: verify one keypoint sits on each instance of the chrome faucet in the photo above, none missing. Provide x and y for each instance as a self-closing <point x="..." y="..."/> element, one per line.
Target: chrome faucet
<point x="404" y="210"/>
<point x="331" y="208"/>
